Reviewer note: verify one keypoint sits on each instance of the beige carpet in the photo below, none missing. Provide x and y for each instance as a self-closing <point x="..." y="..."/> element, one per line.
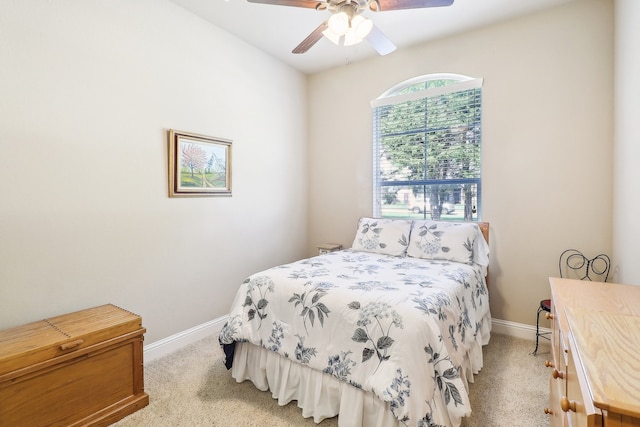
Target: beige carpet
<point x="192" y="388"/>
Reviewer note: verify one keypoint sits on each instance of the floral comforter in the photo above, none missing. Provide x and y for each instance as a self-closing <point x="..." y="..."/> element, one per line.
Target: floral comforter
<point x="403" y="328"/>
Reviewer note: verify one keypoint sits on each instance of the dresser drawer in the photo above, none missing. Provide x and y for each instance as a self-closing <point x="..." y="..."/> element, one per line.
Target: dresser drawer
<point x="577" y="401"/>
<point x="617" y="420"/>
<point x="557" y="380"/>
<point x="557" y="418"/>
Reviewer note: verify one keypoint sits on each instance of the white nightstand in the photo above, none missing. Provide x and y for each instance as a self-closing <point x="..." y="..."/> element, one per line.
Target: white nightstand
<point x="328" y="247"/>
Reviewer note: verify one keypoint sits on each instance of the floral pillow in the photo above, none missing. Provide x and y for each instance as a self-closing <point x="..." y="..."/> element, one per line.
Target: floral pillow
<point x="443" y="241"/>
<point x="382" y="236"/>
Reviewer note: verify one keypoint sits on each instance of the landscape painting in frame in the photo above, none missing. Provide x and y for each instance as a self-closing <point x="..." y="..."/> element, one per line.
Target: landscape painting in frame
<point x="198" y="165"/>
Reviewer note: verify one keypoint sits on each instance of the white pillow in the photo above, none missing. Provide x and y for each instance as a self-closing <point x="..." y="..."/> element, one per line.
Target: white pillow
<point x="440" y="240"/>
<point x="382" y="236"/>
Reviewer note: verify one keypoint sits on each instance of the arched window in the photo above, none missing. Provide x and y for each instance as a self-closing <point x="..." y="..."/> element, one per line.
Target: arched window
<point x="426" y="140"/>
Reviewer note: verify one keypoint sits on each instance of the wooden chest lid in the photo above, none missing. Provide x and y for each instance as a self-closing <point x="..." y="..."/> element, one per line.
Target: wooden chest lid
<point x="46" y="339"/>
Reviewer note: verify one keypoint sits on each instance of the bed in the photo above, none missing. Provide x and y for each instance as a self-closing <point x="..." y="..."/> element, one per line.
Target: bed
<point x="387" y="333"/>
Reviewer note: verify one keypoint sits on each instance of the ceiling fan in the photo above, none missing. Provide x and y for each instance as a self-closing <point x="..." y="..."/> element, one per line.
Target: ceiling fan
<point x="347" y="25"/>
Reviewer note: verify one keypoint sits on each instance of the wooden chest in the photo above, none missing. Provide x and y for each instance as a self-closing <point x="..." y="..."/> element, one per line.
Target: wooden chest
<point x="82" y="368"/>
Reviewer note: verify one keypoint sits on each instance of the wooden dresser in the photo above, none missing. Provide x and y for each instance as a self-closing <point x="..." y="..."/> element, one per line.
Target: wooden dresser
<point x="595" y="379"/>
<point x="82" y="368"/>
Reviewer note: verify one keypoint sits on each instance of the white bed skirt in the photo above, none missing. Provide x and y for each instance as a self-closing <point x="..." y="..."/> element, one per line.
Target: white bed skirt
<point x="322" y="396"/>
<point x="319" y="395"/>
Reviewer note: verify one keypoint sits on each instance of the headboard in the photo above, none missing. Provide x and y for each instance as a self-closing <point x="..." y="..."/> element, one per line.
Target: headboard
<point x="484" y="227"/>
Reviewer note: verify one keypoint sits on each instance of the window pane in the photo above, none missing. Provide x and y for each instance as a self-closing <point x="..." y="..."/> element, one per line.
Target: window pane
<point x="441" y="134"/>
<point x="445" y="202"/>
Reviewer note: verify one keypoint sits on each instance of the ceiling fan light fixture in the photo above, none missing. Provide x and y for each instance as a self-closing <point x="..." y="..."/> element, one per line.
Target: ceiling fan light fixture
<point x="362" y="26"/>
<point x="339" y="23"/>
<point x="351" y="37"/>
<point x="331" y="36"/>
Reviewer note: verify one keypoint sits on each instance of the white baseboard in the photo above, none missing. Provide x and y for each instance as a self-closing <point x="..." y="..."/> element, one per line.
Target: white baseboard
<point x="513" y="329"/>
<point x="182" y="339"/>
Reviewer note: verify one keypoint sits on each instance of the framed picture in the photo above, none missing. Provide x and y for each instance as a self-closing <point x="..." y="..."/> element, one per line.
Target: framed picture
<point x="198" y="165"/>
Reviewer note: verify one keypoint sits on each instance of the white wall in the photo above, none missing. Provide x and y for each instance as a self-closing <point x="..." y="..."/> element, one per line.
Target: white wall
<point x="627" y="142"/>
<point x="547" y="141"/>
<point x="88" y="91"/>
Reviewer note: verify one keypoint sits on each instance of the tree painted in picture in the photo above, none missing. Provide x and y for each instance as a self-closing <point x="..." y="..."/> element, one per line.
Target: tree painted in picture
<point x="202" y="167"/>
<point x="193" y="158"/>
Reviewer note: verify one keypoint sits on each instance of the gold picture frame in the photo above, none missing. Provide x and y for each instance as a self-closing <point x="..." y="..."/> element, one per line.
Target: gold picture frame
<point x="199" y="165"/>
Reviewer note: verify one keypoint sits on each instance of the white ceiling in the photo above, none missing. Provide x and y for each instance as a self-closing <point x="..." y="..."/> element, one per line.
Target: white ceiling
<point x="278" y="29"/>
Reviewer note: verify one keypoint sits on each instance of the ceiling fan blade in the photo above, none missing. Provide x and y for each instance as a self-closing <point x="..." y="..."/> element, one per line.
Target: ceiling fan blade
<point x="311" y="4"/>
<point x="311" y="39"/>
<point x="383" y="5"/>
<point x="380" y="42"/>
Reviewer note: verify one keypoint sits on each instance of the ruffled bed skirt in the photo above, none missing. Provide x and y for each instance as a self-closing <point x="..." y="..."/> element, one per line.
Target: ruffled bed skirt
<point x="322" y="396"/>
